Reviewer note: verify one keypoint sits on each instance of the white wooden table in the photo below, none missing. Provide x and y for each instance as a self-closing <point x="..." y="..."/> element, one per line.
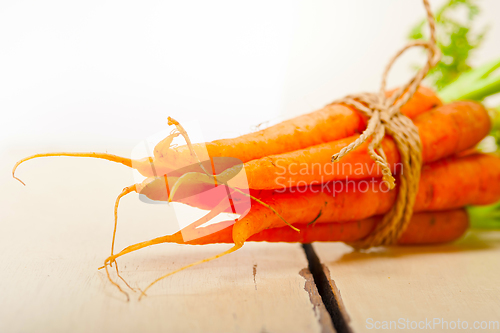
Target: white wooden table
<point x="427" y="285"/>
<point x="56" y="232"/>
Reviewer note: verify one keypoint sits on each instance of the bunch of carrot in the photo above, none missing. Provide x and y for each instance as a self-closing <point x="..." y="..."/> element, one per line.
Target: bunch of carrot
<point x="298" y="195"/>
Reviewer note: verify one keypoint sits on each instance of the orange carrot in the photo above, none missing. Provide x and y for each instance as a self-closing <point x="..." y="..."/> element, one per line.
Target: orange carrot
<point x="446" y="184"/>
<point x="435" y="227"/>
<point x="330" y="123"/>
<point x="424" y="228"/>
<point x="333" y="122"/>
<point x="444" y="131"/>
<point x="424" y="99"/>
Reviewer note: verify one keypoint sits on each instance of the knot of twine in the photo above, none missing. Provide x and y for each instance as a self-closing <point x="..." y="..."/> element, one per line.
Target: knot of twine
<point x="385" y="117"/>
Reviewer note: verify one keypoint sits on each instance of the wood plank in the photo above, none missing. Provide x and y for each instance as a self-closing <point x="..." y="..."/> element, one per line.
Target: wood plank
<point x="451" y="282"/>
<point x="56" y="231"/>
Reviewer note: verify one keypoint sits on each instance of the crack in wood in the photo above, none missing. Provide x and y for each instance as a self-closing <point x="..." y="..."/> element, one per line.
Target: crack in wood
<point x="255" y="273"/>
<point x="336" y="293"/>
<point x="318" y="306"/>
<point x="330" y="296"/>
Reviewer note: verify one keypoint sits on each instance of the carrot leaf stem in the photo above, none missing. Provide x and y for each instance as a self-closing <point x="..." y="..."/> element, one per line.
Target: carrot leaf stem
<point x="475" y="84"/>
<point x="485" y="217"/>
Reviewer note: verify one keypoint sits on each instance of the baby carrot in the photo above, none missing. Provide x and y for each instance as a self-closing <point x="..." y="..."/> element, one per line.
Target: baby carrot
<point x="333" y="122"/>
<point x="444" y="131"/>
<point x="424" y="99"/>
<point x="424" y="228"/>
<point x="446" y="184"/>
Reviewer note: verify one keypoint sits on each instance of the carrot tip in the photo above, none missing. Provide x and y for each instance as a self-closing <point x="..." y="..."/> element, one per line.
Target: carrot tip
<point x="18" y="179"/>
<point x="14" y="171"/>
<point x="142" y="292"/>
<point x="109" y="157"/>
<point x="124" y="192"/>
<point x="113" y="282"/>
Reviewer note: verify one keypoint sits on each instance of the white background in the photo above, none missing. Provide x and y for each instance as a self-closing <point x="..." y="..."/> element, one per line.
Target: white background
<point x="103" y="75"/>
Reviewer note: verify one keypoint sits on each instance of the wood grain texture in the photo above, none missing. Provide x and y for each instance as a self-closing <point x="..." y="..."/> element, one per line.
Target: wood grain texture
<point x="56" y="232"/>
<point x="448" y="282"/>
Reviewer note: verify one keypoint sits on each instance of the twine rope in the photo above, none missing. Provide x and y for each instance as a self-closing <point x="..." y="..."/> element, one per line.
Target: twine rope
<point x="385" y="117"/>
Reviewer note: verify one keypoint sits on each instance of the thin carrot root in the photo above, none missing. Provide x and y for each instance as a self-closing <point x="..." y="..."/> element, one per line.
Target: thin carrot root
<point x="174" y="238"/>
<point x="164" y="239"/>
<point x="121" y="278"/>
<point x="142" y="165"/>
<point x="234" y="248"/>
<point x="168" y="140"/>
<point x="116" y="284"/>
<point x="125" y="191"/>
<point x="109" y="157"/>
<point x="183" y="132"/>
